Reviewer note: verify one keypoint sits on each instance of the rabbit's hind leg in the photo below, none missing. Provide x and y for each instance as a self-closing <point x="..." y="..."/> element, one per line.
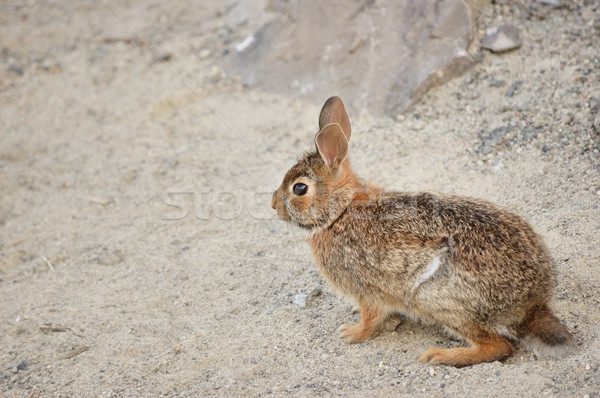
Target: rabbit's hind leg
<point x="371" y="322"/>
<point x="486" y="346"/>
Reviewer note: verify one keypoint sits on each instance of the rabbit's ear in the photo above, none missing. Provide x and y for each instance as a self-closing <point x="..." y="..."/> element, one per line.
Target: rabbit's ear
<point x="332" y="145"/>
<point x="334" y="112"/>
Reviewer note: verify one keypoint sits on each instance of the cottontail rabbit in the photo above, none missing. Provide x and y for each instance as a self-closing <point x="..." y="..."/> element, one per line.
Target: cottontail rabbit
<point x="475" y="268"/>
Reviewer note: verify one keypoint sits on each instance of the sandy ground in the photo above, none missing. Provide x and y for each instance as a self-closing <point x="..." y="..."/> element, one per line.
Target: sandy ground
<point x="139" y="255"/>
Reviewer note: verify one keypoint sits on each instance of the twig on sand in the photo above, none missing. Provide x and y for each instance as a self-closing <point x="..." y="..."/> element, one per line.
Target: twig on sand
<point x="116" y="39"/>
<point x="48" y="328"/>
<point x="68" y="355"/>
<point x="48" y="263"/>
<point x="177" y="347"/>
<point x="102" y="201"/>
<point x="16" y="242"/>
<point x="67" y="383"/>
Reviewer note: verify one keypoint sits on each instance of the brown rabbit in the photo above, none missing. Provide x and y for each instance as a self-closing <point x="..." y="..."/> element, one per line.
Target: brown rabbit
<point x="475" y="268"/>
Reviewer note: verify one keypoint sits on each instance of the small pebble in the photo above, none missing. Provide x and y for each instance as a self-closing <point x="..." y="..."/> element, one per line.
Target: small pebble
<point x="25" y="363"/>
<point x="18" y="69"/>
<point x="551" y="3"/>
<point x="244" y="45"/>
<point x="501" y="38"/>
<point x="165" y="57"/>
<point x="300" y="300"/>
<point x="511" y="90"/>
<point x="567" y="119"/>
<point x="597" y="122"/>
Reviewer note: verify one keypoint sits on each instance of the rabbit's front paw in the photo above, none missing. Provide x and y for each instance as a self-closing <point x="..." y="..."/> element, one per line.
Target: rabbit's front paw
<point x="369" y="326"/>
<point x="354" y="333"/>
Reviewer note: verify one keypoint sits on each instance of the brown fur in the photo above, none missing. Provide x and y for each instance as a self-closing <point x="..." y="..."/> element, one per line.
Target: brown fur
<point x="543" y="333"/>
<point x="371" y="321"/>
<point x="485" y="346"/>
<point x="473" y="267"/>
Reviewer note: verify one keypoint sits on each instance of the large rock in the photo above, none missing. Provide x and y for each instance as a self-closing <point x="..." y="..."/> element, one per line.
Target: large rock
<point x="376" y="54"/>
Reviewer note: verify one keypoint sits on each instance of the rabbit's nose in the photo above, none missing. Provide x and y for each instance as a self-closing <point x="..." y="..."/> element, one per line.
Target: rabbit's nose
<point x="274" y="200"/>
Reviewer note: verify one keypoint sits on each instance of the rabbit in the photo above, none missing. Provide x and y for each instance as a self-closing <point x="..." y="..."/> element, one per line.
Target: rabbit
<point x="472" y="267"/>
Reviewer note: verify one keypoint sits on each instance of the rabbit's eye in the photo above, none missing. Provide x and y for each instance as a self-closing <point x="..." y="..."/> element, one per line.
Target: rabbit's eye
<point x="300" y="189"/>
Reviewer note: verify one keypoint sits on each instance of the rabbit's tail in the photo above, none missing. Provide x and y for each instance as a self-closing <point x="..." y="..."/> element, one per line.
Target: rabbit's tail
<point x="543" y="334"/>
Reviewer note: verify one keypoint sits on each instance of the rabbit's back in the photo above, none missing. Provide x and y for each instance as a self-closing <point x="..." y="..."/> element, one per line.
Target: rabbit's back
<point x="436" y="255"/>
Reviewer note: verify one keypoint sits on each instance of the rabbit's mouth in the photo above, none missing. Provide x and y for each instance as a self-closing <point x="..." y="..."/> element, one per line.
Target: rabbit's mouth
<point x="291" y="216"/>
<point x="279" y="207"/>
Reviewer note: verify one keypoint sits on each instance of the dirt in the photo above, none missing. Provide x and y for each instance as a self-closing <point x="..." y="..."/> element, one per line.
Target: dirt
<point x="139" y="255"/>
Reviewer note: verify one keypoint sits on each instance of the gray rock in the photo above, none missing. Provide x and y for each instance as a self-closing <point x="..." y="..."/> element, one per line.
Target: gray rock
<point x="595" y="104"/>
<point x="513" y="88"/>
<point x="18" y="69"/>
<point x="596" y="123"/>
<point x="490" y="140"/>
<point x="501" y="38"/>
<point x="528" y="134"/>
<point x="567" y="119"/>
<point x="23" y="365"/>
<point x="497" y="83"/>
<point x="315" y="49"/>
<point x="300" y="300"/>
<point x="551" y="3"/>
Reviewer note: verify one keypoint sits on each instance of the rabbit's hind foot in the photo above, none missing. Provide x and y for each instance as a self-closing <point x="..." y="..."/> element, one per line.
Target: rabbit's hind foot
<point x="485" y="347"/>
